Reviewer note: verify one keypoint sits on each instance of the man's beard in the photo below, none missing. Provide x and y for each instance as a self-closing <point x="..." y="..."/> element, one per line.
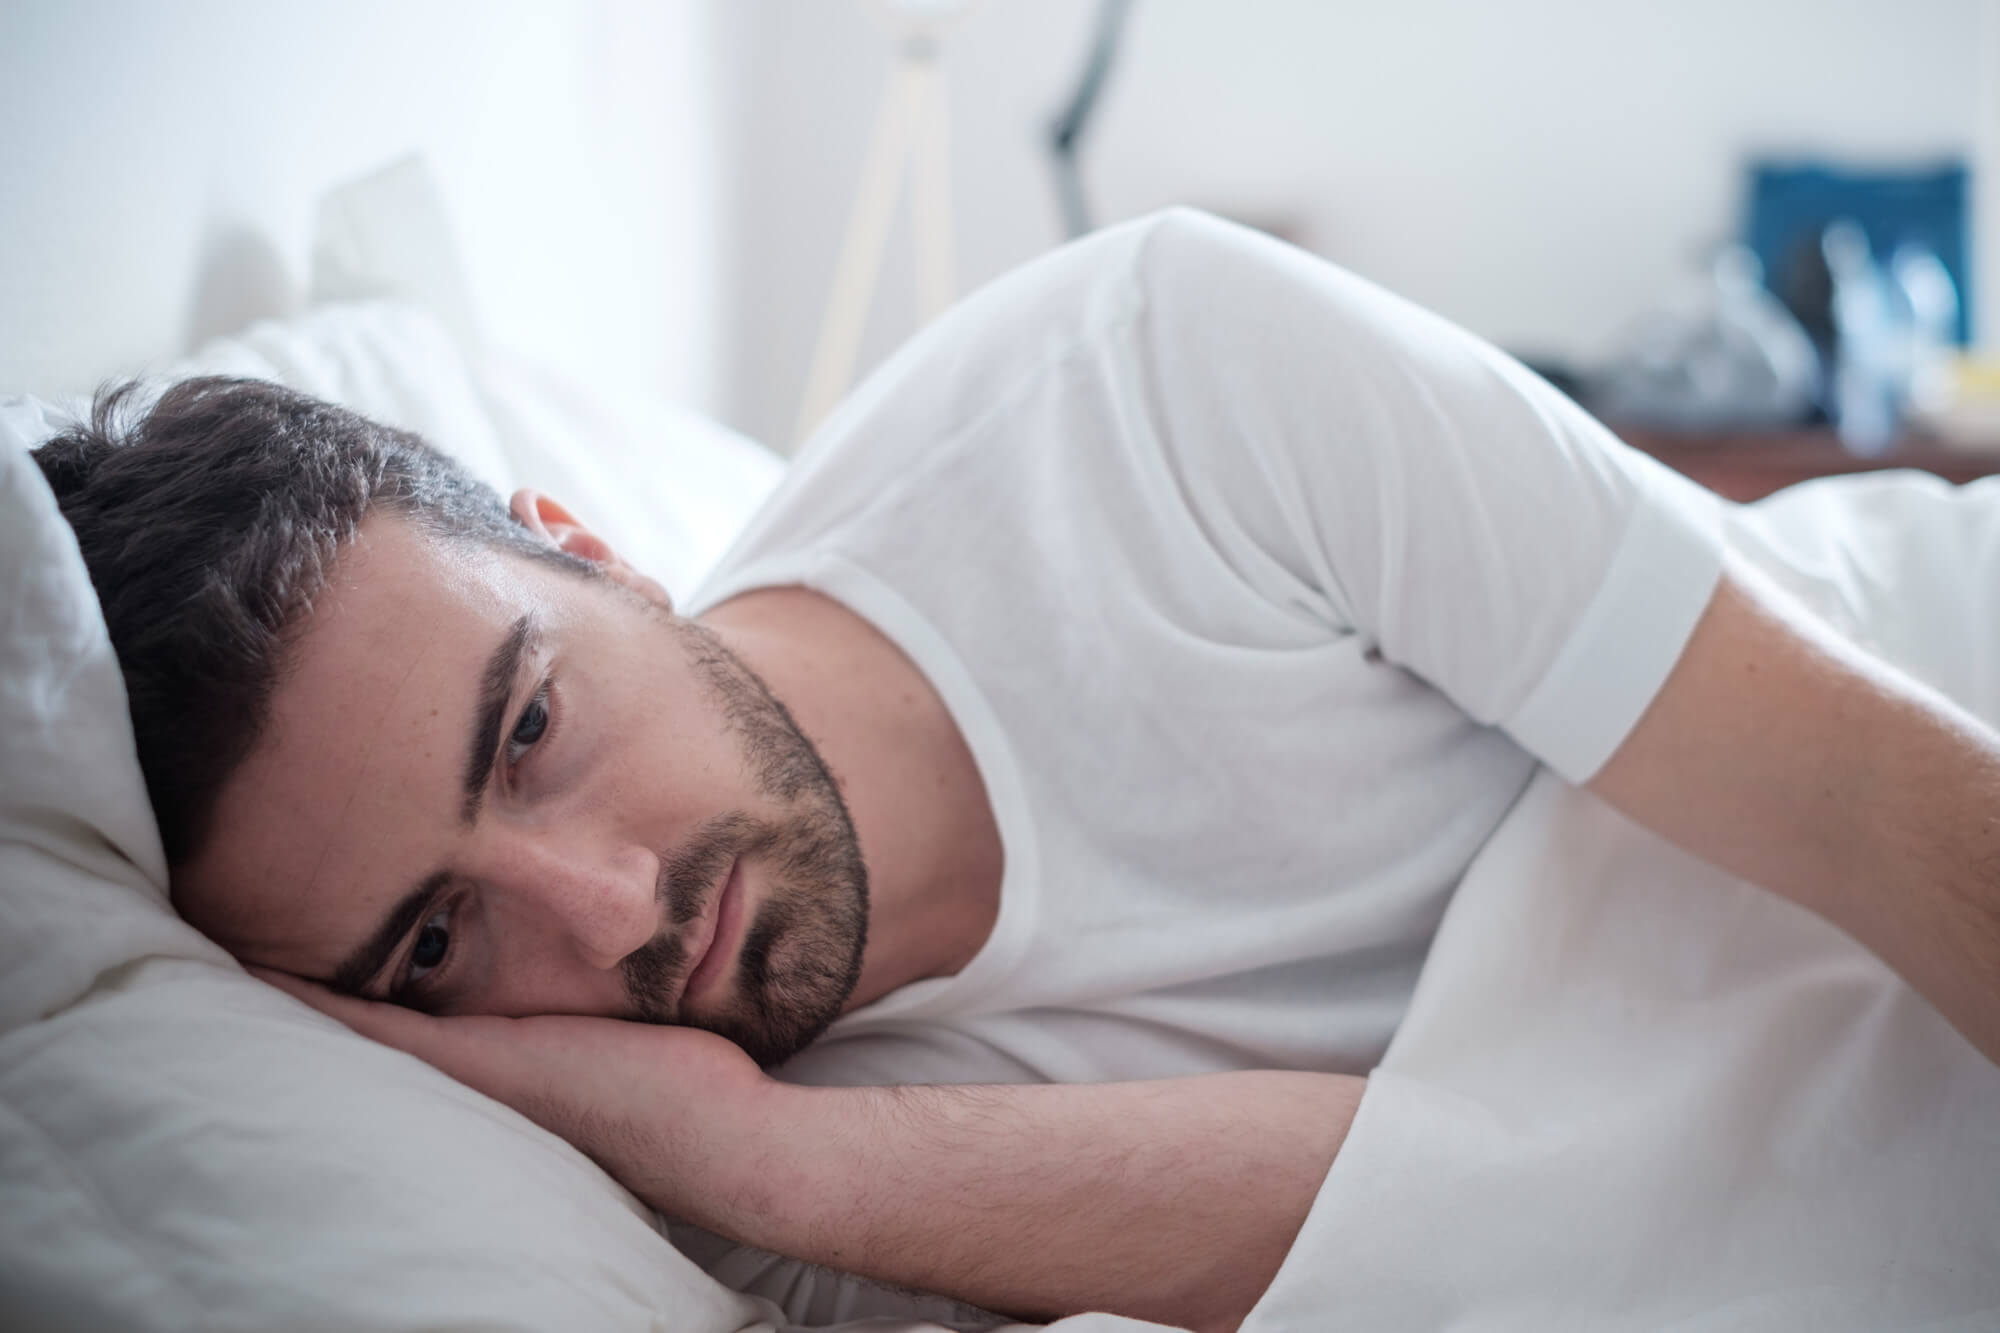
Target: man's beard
<point x="801" y="952"/>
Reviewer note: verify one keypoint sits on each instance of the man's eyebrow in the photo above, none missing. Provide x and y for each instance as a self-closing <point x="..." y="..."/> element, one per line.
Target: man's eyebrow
<point x="490" y="714"/>
<point x="353" y="975"/>
<point x="496" y="685"/>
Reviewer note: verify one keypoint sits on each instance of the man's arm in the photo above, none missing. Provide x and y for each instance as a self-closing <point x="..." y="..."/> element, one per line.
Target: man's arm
<point x="1787" y="756"/>
<point x="1174" y="1200"/>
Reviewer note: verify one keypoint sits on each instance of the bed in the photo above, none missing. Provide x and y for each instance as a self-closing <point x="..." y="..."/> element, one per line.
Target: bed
<point x="1594" y="1114"/>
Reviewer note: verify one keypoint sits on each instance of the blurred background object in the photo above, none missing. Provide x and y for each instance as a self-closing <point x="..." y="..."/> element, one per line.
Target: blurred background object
<point x="1067" y="131"/>
<point x="1791" y="205"/>
<point x="1545" y="172"/>
<point x="657" y="192"/>
<point x="1959" y="405"/>
<point x="1731" y="359"/>
<point x="1871" y="262"/>
<point x="911" y="131"/>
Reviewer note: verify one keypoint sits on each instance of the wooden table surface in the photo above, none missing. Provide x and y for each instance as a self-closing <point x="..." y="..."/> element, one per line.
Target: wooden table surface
<point x="1751" y="466"/>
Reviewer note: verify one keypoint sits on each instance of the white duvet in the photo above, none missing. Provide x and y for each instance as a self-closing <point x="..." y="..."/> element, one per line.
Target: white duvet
<point x="1634" y="1093"/>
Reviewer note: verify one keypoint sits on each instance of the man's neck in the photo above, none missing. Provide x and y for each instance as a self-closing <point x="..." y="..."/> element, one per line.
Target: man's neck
<point x="920" y="810"/>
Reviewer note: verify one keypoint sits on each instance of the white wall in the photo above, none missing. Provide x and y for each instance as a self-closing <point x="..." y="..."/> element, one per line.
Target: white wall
<point x="653" y="190"/>
<point x="159" y="163"/>
<point x="1539" y="170"/>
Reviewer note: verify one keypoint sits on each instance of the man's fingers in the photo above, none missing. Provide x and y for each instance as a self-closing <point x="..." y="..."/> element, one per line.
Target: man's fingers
<point x="655" y="1106"/>
<point x="391" y="1024"/>
<point x="520" y="1062"/>
<point x="346" y="1008"/>
<point x="314" y="994"/>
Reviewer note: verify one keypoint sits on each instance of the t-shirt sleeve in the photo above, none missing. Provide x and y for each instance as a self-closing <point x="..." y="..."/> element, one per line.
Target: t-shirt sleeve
<point x="1364" y="462"/>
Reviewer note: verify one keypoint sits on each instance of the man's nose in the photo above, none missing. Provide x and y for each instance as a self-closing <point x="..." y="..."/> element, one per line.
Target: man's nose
<point x="605" y="901"/>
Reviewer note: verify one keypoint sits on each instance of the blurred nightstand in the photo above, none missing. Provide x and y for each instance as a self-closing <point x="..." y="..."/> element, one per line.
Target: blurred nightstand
<point x="1749" y="467"/>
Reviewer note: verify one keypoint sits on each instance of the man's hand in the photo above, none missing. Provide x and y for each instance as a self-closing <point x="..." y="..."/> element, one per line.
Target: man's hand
<point x="1173" y="1200"/>
<point x="675" y="1114"/>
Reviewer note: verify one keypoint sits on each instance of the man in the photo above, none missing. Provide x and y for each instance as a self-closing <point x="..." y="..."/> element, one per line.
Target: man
<point x="1157" y="639"/>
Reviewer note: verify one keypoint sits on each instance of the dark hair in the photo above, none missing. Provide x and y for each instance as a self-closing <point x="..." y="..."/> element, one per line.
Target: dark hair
<point x="209" y="522"/>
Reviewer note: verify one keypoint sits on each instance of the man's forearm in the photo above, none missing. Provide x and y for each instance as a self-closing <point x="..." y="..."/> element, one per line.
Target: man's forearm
<point x="1173" y="1200"/>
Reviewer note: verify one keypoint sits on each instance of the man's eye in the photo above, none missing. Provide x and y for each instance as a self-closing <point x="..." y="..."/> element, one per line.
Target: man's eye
<point x="533" y="724"/>
<point x="433" y="943"/>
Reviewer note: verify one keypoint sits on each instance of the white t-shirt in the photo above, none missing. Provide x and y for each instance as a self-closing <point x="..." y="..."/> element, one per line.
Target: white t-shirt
<point x="1257" y="594"/>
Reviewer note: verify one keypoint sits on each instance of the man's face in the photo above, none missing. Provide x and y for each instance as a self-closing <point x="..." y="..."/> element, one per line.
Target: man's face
<point x="488" y="785"/>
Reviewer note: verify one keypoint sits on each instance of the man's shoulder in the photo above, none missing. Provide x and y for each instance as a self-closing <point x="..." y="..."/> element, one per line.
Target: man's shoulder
<point x="1006" y="333"/>
<point x="1031" y="400"/>
<point x="942" y="406"/>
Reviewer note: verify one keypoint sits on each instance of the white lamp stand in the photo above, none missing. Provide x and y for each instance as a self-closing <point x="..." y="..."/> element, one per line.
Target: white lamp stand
<point x="912" y="128"/>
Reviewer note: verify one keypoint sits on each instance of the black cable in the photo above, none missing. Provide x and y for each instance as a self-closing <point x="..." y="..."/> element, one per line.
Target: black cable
<point x="1067" y="130"/>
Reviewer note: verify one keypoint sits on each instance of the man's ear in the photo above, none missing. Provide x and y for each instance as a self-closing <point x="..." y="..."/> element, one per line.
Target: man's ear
<point x="548" y="520"/>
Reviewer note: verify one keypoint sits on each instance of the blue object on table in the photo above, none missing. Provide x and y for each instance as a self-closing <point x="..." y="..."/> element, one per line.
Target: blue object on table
<point x="1791" y="205"/>
<point x="1871" y="367"/>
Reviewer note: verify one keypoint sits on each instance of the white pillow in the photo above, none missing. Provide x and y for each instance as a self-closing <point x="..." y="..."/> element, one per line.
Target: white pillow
<point x="667" y="487"/>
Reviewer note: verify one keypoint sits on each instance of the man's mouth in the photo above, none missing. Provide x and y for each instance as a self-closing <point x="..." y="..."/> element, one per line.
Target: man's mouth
<point x="716" y="943"/>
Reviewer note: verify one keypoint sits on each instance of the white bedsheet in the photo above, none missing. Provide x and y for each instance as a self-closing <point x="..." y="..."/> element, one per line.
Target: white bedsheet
<point x="1633" y="1092"/>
